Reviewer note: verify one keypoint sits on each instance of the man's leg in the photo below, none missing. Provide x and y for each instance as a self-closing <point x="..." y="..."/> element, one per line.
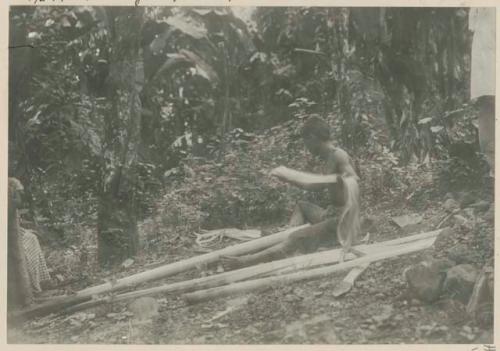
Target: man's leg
<point x="305" y="239"/>
<point x="306" y="212"/>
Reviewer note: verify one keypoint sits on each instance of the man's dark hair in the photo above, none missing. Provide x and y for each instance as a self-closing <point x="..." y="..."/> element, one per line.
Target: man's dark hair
<point x="316" y="127"/>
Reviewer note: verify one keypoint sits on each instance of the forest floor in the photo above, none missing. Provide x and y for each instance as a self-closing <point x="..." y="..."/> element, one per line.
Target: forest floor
<point x="378" y="310"/>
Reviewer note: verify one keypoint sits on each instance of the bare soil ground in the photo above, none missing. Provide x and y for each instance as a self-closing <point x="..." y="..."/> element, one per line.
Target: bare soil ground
<point x="378" y="310"/>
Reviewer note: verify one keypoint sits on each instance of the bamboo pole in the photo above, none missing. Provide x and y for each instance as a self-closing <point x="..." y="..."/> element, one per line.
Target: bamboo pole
<point x="157" y="273"/>
<point x="281" y="266"/>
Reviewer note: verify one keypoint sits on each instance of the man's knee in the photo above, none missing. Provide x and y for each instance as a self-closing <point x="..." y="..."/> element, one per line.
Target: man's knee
<point x="311" y="212"/>
<point x="314" y="235"/>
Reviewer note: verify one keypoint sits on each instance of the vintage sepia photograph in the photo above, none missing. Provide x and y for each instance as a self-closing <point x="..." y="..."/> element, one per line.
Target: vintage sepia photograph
<point x="250" y="175"/>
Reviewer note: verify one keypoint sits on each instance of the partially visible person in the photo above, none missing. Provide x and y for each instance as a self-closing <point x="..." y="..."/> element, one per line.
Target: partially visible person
<point x="25" y="254"/>
<point x="19" y="291"/>
<point x="482" y="82"/>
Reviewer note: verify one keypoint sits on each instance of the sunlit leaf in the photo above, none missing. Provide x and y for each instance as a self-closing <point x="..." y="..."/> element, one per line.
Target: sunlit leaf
<point x="188" y="25"/>
<point x="203" y="68"/>
<point x="436" y="129"/>
<point x="425" y="120"/>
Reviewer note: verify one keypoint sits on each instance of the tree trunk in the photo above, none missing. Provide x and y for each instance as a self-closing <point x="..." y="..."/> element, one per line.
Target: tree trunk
<point x="117" y="213"/>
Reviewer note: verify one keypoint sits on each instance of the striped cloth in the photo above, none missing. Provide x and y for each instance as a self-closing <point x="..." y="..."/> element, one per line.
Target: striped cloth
<point x="37" y="267"/>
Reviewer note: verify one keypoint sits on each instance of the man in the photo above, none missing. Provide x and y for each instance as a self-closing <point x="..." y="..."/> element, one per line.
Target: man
<point x="342" y="216"/>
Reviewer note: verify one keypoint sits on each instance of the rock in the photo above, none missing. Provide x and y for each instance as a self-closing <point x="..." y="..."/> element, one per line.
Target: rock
<point x="252" y="300"/>
<point x="459" y="220"/>
<point x="382" y="313"/>
<point x="460" y="281"/>
<point x="451" y="205"/>
<point x="445" y="239"/>
<point x="406" y="220"/>
<point x="328" y="336"/>
<point x="425" y="279"/>
<point x="481" y="206"/>
<point x="300" y="293"/>
<point x="442" y="265"/>
<point x="469" y="213"/>
<point x="416" y="228"/>
<point x="144" y="308"/>
<point x="127" y="263"/>
<point x="325" y="285"/>
<point x="466" y="199"/>
<point x="460" y="253"/>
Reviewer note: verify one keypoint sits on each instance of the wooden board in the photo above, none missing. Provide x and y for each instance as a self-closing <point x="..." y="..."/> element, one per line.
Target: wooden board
<point x="263" y="283"/>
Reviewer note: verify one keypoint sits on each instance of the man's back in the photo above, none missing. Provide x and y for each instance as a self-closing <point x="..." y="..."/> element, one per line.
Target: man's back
<point x="338" y="162"/>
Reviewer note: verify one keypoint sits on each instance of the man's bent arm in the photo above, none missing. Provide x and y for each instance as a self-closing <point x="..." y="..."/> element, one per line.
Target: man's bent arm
<point x="304" y="180"/>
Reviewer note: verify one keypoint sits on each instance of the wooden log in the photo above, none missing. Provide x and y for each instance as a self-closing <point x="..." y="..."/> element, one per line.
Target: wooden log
<point x="190" y="263"/>
<point x="159" y="272"/>
<point x="281" y="266"/>
<point x="52" y="306"/>
<point x="264" y="283"/>
<point x="297" y="262"/>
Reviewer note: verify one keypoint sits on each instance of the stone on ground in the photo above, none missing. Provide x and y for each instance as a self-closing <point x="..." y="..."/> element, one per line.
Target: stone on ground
<point x="425" y="279"/>
<point x="460" y="281"/>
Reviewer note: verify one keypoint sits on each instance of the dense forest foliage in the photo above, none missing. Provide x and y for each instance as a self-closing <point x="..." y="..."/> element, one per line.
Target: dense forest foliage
<point x="109" y="106"/>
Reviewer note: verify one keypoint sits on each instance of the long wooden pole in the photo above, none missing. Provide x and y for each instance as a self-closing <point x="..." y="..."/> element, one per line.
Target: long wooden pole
<point x="297" y="262"/>
<point x="264" y="283"/>
<point x="157" y="273"/>
<point x="291" y="263"/>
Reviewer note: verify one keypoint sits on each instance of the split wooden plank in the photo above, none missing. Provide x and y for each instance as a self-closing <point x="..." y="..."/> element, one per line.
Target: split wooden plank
<point x="275" y="267"/>
<point x="320" y="258"/>
<point x="348" y="282"/>
<point x="264" y="283"/>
